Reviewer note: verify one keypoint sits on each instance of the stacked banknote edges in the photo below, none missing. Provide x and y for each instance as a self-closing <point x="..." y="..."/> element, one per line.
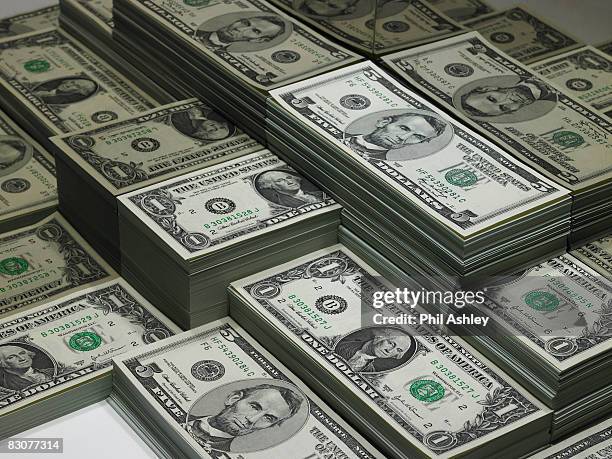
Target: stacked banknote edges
<point x="185" y="239"/>
<point x="60" y="353"/>
<point x="550" y="330"/>
<point x="97" y="165"/>
<point x="425" y="191"/>
<point x="173" y="399"/>
<point x="230" y="54"/>
<point x="92" y="24"/>
<point x="412" y="394"/>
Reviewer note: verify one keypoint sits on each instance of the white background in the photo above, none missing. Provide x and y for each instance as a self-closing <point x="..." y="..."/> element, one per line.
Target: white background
<point x="97" y="432"/>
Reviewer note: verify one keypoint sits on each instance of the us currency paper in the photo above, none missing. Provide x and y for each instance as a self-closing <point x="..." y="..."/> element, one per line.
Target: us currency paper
<point x="522" y="35"/>
<point x="100" y="11"/>
<point x="375" y="26"/>
<point x="64" y="85"/>
<point x="584" y="73"/>
<point x="559" y="309"/>
<point x="432" y="389"/>
<point x="164" y="142"/>
<point x="224" y="394"/>
<point x="598" y="255"/>
<point x="441" y="166"/>
<point x="45" y="260"/>
<point x="67" y="342"/>
<point x="535" y="120"/>
<point x="592" y="443"/>
<point x="249" y="38"/>
<point x="606" y="48"/>
<point x="27" y="173"/>
<point x="462" y="10"/>
<point x="222" y="205"/>
<point x="29" y="22"/>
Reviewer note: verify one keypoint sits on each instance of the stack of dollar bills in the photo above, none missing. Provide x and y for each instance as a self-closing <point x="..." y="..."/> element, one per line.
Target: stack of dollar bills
<point x="422" y="188"/>
<point x="30" y="21"/>
<point x="550" y="330"/>
<point x="410" y="390"/>
<point x="523" y="35"/>
<point x="376" y="27"/>
<point x="228" y="53"/>
<point x="91" y="22"/>
<point x="28" y="191"/>
<point x="185" y="239"/>
<point x="57" y="357"/>
<point x="96" y="165"/>
<point x="44" y="261"/>
<point x="214" y="392"/>
<point x="585" y="73"/>
<point x="592" y="443"/>
<point x="598" y="255"/>
<point x="535" y="120"/>
<point x="50" y="84"/>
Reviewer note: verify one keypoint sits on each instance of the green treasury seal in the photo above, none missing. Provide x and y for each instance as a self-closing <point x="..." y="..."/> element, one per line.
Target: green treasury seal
<point x="84" y="341"/>
<point x="13" y="266"/>
<point x="542" y="301"/>
<point x="461" y="177"/>
<point x="427" y="390"/>
<point x="37" y="66"/>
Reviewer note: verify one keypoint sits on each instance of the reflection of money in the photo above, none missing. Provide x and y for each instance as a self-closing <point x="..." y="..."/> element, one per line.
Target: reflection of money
<point x="71" y="341"/>
<point x="101" y="11"/>
<point x="585" y="73"/>
<point x="27" y="174"/>
<point x="249" y="37"/>
<point x="598" y="255"/>
<point x="496" y="94"/>
<point x="45" y="260"/>
<point x="461" y="10"/>
<point x="219" y="392"/>
<point x="161" y="143"/>
<point x="447" y="170"/>
<point x="592" y="443"/>
<point x="29" y="22"/>
<point x="65" y="86"/>
<point x="559" y="310"/>
<point x="222" y="205"/>
<point x="375" y="26"/>
<point x="522" y="35"/>
<point x="429" y="389"/>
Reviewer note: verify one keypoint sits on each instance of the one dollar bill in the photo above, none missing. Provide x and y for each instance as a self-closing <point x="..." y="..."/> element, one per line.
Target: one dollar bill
<point x="586" y="75"/>
<point x="250" y="38"/>
<point x="223" y="205"/>
<point x="29" y="22"/>
<point x="438" y="164"/>
<point x="535" y="120"/>
<point x="46" y="260"/>
<point x="153" y="146"/>
<point x="63" y="85"/>
<point x="68" y="342"/>
<point x="522" y="35"/>
<point x="27" y="174"/>
<point x="222" y="395"/>
<point x="429" y="388"/>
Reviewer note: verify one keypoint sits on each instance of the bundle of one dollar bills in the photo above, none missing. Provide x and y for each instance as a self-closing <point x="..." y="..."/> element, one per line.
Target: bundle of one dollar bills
<point x="44" y="261"/>
<point x="412" y="391"/>
<point x="97" y="165"/>
<point x="550" y="330"/>
<point x="523" y="35"/>
<point x="50" y="84"/>
<point x="425" y="190"/>
<point x="28" y="190"/>
<point x="214" y="392"/>
<point x="374" y="27"/>
<point x="228" y="53"/>
<point x="535" y="120"/>
<point x="91" y="22"/>
<point x="585" y="73"/>
<point x="185" y="239"/>
<point x="57" y="357"/>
